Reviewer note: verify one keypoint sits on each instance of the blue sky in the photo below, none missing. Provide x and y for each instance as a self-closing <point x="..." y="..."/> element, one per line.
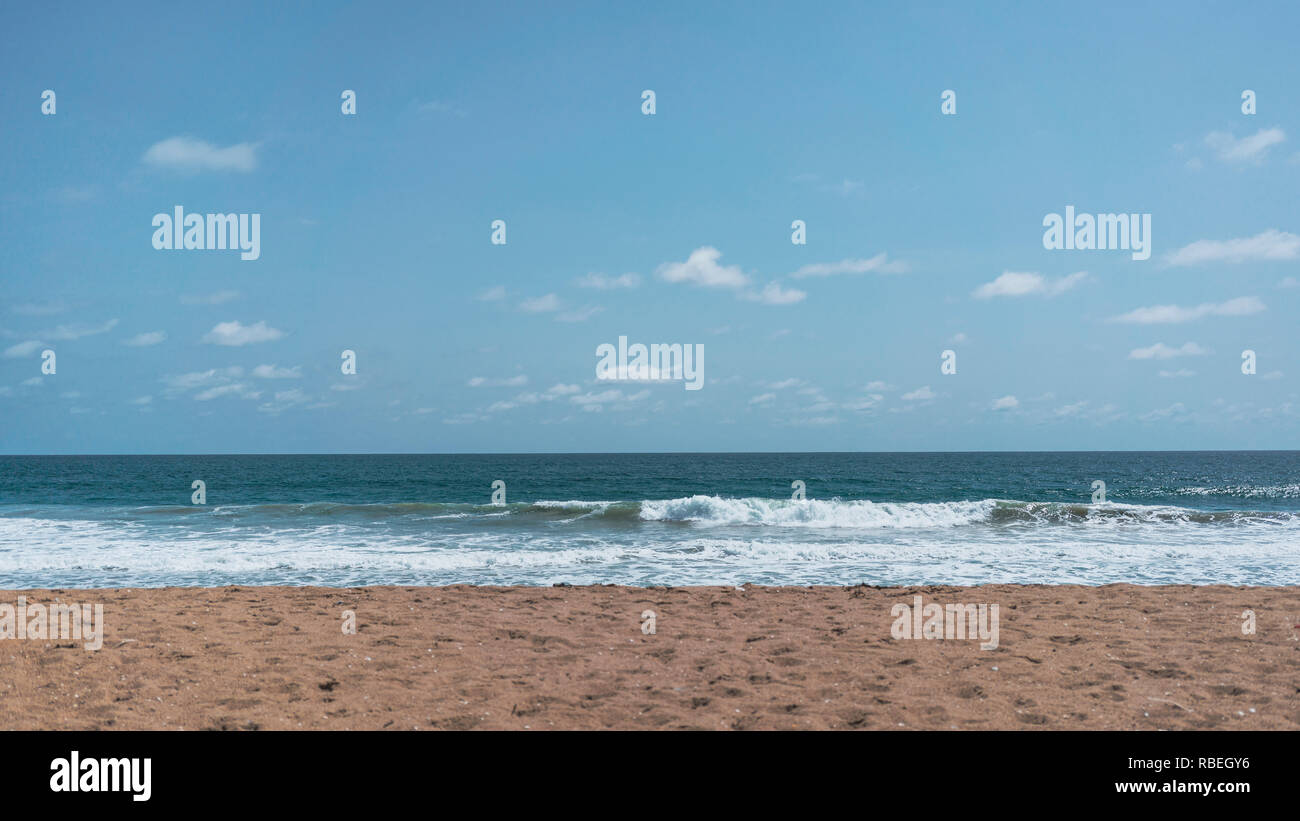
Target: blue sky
<point x="924" y="230"/>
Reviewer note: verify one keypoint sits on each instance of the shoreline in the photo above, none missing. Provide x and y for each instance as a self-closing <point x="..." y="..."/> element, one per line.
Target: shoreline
<point x="1118" y="656"/>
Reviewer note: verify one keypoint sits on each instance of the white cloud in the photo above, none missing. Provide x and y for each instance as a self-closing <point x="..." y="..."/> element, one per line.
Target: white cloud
<point x="1065" y="411"/>
<point x="276" y="372"/>
<point x="283" y="400"/>
<point x="878" y="263"/>
<point x="236" y="334"/>
<point x="774" y="294"/>
<point x="23" y="349"/>
<point x="492" y="294"/>
<point x="783" y="384"/>
<point x="579" y="314"/>
<point x="1269" y="245"/>
<point x="595" y="402"/>
<point x="540" y="305"/>
<point x="1006" y="403"/>
<point x="38" y="308"/>
<point x="439" y="107"/>
<point x="1162" y="314"/>
<point x="920" y="394"/>
<point x="533" y="397"/>
<point x="75" y="331"/>
<point x="78" y="331"/>
<point x="1014" y="283"/>
<point x="1181" y="373"/>
<point x="607" y="283"/>
<point x="702" y="268"/>
<point x="1175" y="410"/>
<point x="238" y="389"/>
<point x="844" y="187"/>
<point x="1250" y="149"/>
<point x="146" y="339"/>
<point x="762" y="399"/>
<point x="200" y="379"/>
<point x="74" y="194"/>
<point x="1162" y="351"/>
<point x="190" y="155"/>
<point x="868" y="403"/>
<point x="216" y="298"/>
<point x="508" y="382"/>
<point x="213" y="383"/>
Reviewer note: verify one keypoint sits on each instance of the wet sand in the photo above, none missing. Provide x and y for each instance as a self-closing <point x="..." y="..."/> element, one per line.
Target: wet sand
<point x="270" y="658"/>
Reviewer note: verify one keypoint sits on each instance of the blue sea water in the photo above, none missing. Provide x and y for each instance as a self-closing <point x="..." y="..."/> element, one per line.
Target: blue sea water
<point x="651" y="519"/>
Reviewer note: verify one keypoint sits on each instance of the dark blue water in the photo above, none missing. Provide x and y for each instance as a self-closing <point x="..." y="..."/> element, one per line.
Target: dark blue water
<point x="880" y="518"/>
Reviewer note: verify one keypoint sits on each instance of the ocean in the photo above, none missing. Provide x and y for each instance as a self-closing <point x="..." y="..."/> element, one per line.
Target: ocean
<point x="651" y="519"/>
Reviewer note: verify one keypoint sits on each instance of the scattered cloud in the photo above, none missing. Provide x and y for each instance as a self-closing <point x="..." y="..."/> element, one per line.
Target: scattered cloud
<point x="283" y="400"/>
<point x="552" y="393"/>
<point x="540" y="305"/>
<point x="146" y="339"/>
<point x="23" y="349"/>
<point x="579" y="314"/>
<point x="602" y="282"/>
<point x="596" y="402"/>
<point x="702" y="268"/>
<point x="276" y="372"/>
<point x="1164" y="314"/>
<point x="74" y="194"/>
<point x="236" y="334"/>
<point x="1006" y="403"/>
<point x="1013" y="283"/>
<point x="206" y="382"/>
<point x="38" y="308"/>
<point x="919" y="395"/>
<point x="237" y="389"/>
<point x="507" y="382"/>
<point x="774" y="294"/>
<point x="844" y="187"/>
<point x="1162" y="351"/>
<point x="1252" y="149"/>
<point x="439" y="107"/>
<point x="879" y="264"/>
<point x="216" y="298"/>
<point x="1268" y="246"/>
<point x="190" y="155"/>
<point x="1174" y="411"/>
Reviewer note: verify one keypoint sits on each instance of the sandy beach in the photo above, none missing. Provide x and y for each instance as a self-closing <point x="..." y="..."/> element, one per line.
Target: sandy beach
<point x="461" y="657"/>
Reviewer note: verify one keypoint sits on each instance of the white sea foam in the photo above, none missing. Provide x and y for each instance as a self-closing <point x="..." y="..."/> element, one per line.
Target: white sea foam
<point x="716" y="510"/>
<point x="689" y="540"/>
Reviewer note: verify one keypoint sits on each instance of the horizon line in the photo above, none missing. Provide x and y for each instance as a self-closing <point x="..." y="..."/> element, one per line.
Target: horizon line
<point x="648" y="453"/>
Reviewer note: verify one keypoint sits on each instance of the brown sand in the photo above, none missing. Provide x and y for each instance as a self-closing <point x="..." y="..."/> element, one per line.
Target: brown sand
<point x="1114" y="657"/>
